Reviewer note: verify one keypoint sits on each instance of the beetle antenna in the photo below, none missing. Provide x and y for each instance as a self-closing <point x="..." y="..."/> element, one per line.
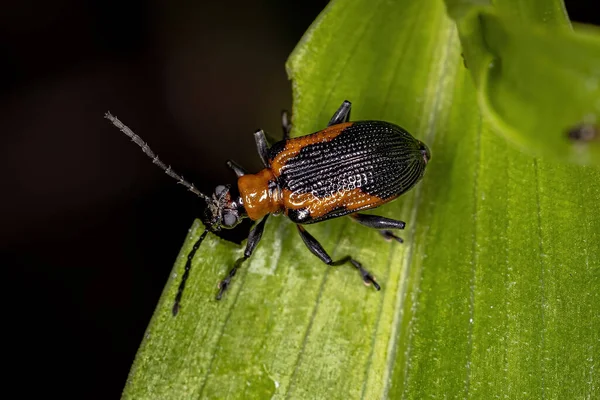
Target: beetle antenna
<point x="186" y="273"/>
<point x="146" y="149"/>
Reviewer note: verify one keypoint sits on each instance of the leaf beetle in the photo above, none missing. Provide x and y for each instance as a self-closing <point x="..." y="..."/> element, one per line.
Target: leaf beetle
<point x="340" y="170"/>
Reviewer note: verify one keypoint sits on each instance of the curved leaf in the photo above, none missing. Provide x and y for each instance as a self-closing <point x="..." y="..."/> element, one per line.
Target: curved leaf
<point x="494" y="293"/>
<point x="538" y="80"/>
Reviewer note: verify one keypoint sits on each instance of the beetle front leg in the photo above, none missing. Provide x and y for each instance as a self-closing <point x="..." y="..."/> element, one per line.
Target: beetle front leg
<point x="383" y="224"/>
<point x="253" y="239"/>
<point x="342" y="114"/>
<point x="315" y="247"/>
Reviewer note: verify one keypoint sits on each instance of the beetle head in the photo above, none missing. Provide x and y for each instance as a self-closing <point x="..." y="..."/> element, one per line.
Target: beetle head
<point x="222" y="211"/>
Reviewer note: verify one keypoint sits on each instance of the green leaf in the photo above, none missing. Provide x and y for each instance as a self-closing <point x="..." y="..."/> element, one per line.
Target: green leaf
<point x="495" y="292"/>
<point x="537" y="79"/>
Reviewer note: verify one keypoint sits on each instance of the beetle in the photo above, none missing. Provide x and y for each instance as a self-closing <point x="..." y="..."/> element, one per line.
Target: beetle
<point x="340" y="170"/>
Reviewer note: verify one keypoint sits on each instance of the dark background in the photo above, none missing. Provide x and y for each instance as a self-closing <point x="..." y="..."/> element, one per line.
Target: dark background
<point x="89" y="228"/>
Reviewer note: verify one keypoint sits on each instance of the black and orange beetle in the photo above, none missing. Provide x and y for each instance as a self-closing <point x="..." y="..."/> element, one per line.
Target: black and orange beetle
<point x="343" y="169"/>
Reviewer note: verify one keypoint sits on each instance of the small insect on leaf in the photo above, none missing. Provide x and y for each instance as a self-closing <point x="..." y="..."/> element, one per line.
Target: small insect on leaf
<point x="345" y="168"/>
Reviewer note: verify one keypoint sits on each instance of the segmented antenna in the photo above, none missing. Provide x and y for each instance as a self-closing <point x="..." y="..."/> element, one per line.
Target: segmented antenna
<point x="186" y="273"/>
<point x="146" y="149"/>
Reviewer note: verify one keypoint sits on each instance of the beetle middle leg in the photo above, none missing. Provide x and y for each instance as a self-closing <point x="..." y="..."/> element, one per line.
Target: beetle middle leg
<point x="382" y="224"/>
<point x="262" y="146"/>
<point x="253" y="239"/>
<point x="342" y="114"/>
<point x="286" y="124"/>
<point x="315" y="247"/>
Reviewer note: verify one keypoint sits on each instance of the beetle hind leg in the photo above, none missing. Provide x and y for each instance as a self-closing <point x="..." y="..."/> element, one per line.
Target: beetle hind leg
<point x="315" y="247"/>
<point x="382" y="224"/>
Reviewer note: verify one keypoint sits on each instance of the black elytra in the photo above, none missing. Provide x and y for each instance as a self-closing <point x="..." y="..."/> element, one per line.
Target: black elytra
<point x="345" y="168"/>
<point x="375" y="157"/>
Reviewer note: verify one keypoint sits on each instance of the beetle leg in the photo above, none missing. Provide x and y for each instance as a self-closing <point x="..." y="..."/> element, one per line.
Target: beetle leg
<point x="262" y="147"/>
<point x="383" y="224"/>
<point x="315" y="247"/>
<point x="377" y="222"/>
<point x="342" y="114"/>
<point x="389" y="235"/>
<point x="253" y="239"/>
<point x="286" y="124"/>
<point x="237" y="168"/>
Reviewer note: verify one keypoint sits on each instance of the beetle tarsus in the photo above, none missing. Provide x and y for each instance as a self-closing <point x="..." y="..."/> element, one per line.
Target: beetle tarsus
<point x="368" y="279"/>
<point x="224" y="284"/>
<point x="389" y="235"/>
<point x="315" y="247"/>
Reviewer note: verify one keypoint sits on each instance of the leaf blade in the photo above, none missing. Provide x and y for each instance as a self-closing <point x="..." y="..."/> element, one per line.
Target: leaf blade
<point x="537" y="79"/>
<point x="496" y="278"/>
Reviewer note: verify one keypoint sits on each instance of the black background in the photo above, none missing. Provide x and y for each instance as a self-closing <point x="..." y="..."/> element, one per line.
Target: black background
<point x="89" y="228"/>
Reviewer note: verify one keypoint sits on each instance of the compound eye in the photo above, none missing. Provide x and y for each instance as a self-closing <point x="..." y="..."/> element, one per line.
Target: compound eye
<point x="219" y="190"/>
<point x="229" y="219"/>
